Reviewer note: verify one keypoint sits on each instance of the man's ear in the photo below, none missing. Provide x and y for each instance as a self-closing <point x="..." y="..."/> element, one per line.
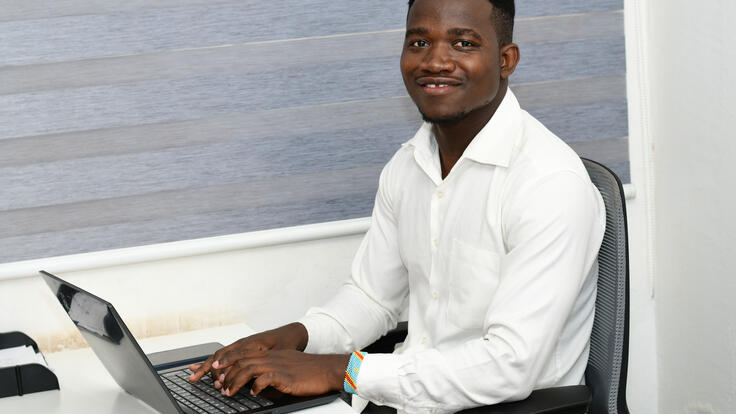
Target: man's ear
<point x="509" y="59"/>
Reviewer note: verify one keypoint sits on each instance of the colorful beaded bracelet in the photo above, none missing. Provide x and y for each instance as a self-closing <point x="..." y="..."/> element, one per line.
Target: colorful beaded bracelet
<point x="351" y="373"/>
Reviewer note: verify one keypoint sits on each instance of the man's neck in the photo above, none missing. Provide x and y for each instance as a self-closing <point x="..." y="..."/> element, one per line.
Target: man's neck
<point x="452" y="139"/>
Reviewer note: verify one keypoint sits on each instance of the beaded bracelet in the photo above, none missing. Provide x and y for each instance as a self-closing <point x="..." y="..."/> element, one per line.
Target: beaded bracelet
<point x="351" y="373"/>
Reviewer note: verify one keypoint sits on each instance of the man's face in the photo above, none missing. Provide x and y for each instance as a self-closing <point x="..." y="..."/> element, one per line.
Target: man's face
<point x="451" y="62"/>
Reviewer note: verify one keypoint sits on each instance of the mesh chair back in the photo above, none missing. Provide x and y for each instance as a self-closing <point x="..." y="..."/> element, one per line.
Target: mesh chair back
<point x="605" y="374"/>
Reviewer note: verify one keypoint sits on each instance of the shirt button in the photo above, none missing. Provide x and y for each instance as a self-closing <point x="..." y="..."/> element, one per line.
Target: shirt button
<point x="424" y="340"/>
<point x="435" y="295"/>
<point x="440" y="193"/>
<point x="436" y="242"/>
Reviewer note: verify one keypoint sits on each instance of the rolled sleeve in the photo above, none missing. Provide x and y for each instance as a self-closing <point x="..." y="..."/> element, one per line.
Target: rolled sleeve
<point x="368" y="304"/>
<point x="326" y="335"/>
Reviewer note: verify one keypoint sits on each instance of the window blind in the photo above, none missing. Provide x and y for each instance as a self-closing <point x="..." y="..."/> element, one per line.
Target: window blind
<point x="139" y="122"/>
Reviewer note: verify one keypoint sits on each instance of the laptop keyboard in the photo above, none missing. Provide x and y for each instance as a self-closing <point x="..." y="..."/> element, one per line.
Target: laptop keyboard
<point x="203" y="398"/>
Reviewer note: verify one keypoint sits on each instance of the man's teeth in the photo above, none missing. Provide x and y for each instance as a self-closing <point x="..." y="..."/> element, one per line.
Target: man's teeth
<point x="434" y="85"/>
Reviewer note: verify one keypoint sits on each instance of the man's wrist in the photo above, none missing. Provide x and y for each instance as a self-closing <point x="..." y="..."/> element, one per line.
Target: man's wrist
<point x="338" y="365"/>
<point x="296" y="335"/>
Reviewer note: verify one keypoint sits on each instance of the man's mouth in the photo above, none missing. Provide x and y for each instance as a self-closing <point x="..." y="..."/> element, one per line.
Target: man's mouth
<point x="435" y="86"/>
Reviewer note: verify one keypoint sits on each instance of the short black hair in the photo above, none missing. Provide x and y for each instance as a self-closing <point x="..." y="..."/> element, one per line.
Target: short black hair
<point x="503" y="19"/>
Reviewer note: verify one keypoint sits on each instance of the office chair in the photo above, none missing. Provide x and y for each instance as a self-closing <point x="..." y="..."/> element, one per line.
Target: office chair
<point x="605" y="374"/>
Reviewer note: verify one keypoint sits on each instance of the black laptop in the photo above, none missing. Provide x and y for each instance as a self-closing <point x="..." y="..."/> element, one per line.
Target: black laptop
<point x="161" y="379"/>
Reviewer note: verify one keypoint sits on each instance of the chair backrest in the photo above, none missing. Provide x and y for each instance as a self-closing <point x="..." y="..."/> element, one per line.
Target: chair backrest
<point x="605" y="374"/>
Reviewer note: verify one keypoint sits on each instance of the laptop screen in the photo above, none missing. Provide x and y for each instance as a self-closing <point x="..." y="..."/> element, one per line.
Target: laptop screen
<point x="112" y="342"/>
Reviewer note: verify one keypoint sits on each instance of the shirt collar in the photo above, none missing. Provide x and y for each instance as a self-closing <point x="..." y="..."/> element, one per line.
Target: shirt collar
<point x="493" y="145"/>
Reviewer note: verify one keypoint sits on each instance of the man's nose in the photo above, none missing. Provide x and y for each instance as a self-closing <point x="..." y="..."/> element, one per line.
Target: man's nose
<point x="439" y="59"/>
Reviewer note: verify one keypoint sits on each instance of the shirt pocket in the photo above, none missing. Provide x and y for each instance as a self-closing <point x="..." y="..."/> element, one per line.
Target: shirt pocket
<point x="473" y="281"/>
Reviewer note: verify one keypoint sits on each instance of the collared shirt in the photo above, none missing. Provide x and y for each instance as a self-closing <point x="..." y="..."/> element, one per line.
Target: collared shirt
<point x="496" y="263"/>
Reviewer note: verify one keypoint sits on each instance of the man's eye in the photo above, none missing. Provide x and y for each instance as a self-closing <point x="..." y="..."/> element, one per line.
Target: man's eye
<point x="418" y="43"/>
<point x="464" y="44"/>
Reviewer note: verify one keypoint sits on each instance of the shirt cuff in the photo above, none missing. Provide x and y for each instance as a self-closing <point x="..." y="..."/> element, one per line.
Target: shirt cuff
<point x="379" y="379"/>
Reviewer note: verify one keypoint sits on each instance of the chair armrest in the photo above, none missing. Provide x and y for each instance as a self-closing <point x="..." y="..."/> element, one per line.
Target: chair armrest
<point x="573" y="399"/>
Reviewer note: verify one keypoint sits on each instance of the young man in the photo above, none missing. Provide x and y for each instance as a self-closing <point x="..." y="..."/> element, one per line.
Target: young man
<point x="485" y="224"/>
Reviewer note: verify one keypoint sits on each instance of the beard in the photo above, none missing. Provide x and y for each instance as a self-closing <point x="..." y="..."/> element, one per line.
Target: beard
<point x="445" y="120"/>
<point x="453" y="118"/>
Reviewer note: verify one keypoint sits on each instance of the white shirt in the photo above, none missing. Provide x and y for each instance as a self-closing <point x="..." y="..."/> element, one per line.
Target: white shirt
<point x="497" y="264"/>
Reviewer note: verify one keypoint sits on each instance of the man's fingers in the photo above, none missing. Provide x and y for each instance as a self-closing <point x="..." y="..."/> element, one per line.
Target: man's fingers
<point x="221" y="362"/>
<point x="236" y="378"/>
<point x="200" y="369"/>
<point x="231" y="357"/>
<point x="266" y="380"/>
<point x="206" y="366"/>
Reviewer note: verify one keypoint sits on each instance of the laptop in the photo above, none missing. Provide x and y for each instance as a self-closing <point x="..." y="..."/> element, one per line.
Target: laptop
<point x="161" y="379"/>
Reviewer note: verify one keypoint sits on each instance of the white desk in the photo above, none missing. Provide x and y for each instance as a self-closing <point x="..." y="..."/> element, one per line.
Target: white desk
<point x="86" y="387"/>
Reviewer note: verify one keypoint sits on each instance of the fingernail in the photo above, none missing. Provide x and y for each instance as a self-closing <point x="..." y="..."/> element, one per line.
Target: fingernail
<point x="227" y="391"/>
<point x="222" y="377"/>
<point x="216" y="364"/>
<point x="217" y="384"/>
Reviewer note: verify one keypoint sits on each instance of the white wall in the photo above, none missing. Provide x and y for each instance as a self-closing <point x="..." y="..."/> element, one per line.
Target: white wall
<point x="691" y="57"/>
<point x="261" y="286"/>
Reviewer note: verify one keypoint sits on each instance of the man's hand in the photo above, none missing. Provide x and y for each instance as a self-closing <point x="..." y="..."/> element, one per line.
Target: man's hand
<point x="289" y="337"/>
<point x="289" y="371"/>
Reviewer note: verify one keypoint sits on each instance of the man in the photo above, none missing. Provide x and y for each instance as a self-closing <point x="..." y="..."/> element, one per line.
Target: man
<point x="485" y="224"/>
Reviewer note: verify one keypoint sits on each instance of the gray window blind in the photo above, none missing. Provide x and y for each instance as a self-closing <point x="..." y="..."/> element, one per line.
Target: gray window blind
<point x="139" y="122"/>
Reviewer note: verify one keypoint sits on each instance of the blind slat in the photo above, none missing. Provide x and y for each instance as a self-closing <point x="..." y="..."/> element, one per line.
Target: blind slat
<point x="223" y="197"/>
<point x="259" y="124"/>
<point x="257" y="57"/>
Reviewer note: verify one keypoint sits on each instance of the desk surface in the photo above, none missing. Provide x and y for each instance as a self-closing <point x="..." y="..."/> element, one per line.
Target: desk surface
<point x="86" y="387"/>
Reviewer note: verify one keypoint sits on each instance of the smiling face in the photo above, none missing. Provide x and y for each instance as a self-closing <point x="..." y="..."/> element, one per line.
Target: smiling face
<point x="451" y="63"/>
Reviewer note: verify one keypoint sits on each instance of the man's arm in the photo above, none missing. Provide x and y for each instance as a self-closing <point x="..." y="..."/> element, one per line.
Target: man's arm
<point x="364" y="309"/>
<point x="369" y="304"/>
